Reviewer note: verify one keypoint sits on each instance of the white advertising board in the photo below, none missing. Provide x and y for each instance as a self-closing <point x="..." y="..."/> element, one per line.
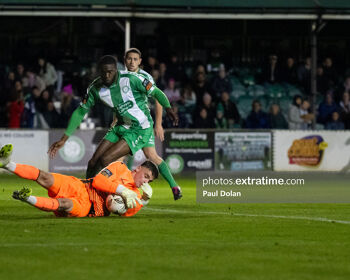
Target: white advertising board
<point x="311" y="150"/>
<point x="30" y="146"/>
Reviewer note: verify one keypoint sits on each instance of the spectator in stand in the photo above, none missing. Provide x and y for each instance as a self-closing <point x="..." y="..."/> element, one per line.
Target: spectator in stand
<point x="231" y="113"/>
<point x="175" y="69"/>
<point x="172" y="92"/>
<point x="335" y="123"/>
<point x="68" y="104"/>
<point x="209" y="105"/>
<point x="345" y="109"/>
<point x="344" y="88"/>
<point x="220" y="120"/>
<point x="48" y="73"/>
<point x="200" y="86"/>
<point x="306" y="115"/>
<point x="294" y="119"/>
<point x="304" y="75"/>
<point x="20" y="73"/>
<point x="221" y="83"/>
<point x="51" y="116"/>
<point x="326" y="108"/>
<point x="289" y="72"/>
<point x="200" y="69"/>
<point x="8" y="86"/>
<point x="156" y="77"/>
<point x="322" y="85"/>
<point x="202" y="120"/>
<point x="276" y="118"/>
<point x="16" y="107"/>
<point x="151" y="64"/>
<point x="29" y="112"/>
<point x="330" y="74"/>
<point x="163" y="76"/>
<point x="32" y="80"/>
<point x="257" y="118"/>
<point x="271" y="72"/>
<point x="187" y="103"/>
<point x="215" y="61"/>
<point x="188" y="97"/>
<point x="6" y="97"/>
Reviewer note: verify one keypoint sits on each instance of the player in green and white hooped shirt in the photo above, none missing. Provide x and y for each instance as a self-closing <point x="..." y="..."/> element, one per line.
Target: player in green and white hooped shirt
<point x="127" y="94"/>
<point x="132" y="61"/>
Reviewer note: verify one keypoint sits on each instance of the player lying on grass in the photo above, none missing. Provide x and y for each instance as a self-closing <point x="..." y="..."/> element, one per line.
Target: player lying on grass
<point x="126" y="93"/>
<point x="72" y="197"/>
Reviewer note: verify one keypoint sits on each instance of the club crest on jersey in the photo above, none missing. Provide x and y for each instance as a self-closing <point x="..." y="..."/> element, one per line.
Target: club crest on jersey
<point x="147" y="84"/>
<point x="125" y="89"/>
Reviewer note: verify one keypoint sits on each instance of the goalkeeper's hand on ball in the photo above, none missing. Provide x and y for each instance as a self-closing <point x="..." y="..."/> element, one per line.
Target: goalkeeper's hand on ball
<point x="129" y="196"/>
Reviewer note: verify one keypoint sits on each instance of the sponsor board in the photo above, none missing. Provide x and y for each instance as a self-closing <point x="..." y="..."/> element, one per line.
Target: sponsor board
<point x="73" y="157"/>
<point x="30" y="146"/>
<point x="311" y="151"/>
<point x="238" y="151"/>
<point x="189" y="150"/>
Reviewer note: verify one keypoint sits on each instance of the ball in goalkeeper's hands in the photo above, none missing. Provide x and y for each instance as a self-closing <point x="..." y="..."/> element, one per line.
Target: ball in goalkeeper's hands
<point x="115" y="204"/>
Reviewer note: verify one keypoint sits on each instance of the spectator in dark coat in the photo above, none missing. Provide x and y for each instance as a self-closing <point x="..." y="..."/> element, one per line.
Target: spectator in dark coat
<point x="257" y="118"/>
<point x="276" y="118"/>
<point x="335" y="123"/>
<point x="271" y="72"/>
<point x="202" y="120"/>
<point x="289" y="72"/>
<point x="230" y="109"/>
<point x="200" y="86"/>
<point x="345" y="109"/>
<point x="221" y="83"/>
<point x="326" y="108"/>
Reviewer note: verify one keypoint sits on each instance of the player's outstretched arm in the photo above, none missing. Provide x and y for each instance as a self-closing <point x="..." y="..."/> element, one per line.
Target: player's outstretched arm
<point x="163" y="100"/>
<point x="158" y="128"/>
<point x="74" y="122"/>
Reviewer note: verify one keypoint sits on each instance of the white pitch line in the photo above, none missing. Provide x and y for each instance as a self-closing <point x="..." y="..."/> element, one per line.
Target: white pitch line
<point x="317" y="219"/>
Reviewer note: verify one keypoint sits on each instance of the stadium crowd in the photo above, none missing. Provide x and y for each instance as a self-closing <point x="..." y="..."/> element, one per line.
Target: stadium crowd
<point x="275" y="95"/>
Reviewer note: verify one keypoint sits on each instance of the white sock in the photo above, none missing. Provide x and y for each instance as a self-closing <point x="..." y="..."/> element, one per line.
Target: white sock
<point x="31" y="200"/>
<point x="11" y="166"/>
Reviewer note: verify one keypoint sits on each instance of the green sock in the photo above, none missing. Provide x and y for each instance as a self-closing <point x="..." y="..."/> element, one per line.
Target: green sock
<point x="164" y="170"/>
<point x="130" y="161"/>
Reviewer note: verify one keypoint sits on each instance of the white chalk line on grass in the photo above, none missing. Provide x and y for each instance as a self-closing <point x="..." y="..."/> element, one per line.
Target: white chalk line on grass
<point x="317" y="219"/>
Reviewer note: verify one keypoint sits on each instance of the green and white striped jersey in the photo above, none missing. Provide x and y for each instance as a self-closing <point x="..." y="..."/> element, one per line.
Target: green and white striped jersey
<point x="146" y="75"/>
<point x="127" y="96"/>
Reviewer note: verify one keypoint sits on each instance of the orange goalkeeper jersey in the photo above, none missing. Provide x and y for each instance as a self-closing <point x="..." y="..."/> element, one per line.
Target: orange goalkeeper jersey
<point x="106" y="182"/>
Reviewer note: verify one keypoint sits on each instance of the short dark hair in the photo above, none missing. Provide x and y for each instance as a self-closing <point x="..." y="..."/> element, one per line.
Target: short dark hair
<point x="107" y="59"/>
<point x="133" y="50"/>
<point x="151" y="166"/>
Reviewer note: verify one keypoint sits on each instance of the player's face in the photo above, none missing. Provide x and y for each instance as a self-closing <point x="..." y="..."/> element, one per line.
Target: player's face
<point x="132" y="61"/>
<point x="108" y="73"/>
<point x="142" y="175"/>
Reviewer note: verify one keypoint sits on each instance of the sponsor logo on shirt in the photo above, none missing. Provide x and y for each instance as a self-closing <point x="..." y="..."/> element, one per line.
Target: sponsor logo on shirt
<point x="123" y="107"/>
<point x="147" y="84"/>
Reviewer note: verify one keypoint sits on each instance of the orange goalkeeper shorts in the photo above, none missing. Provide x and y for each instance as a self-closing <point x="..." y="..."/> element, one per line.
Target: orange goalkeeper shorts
<point x="74" y="189"/>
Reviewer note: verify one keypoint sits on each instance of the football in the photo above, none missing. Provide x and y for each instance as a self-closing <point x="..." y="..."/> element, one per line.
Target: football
<point x="115" y="204"/>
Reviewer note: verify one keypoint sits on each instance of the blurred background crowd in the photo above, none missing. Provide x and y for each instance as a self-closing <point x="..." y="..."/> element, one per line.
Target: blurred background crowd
<point x="275" y="94"/>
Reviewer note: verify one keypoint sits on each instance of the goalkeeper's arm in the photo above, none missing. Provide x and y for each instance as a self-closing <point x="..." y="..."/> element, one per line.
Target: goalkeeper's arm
<point x="102" y="183"/>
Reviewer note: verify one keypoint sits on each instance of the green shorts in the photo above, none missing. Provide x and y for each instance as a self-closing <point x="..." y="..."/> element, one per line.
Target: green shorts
<point x="136" y="138"/>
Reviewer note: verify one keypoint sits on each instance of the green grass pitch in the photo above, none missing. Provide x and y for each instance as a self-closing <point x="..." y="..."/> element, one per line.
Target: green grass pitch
<point x="175" y="240"/>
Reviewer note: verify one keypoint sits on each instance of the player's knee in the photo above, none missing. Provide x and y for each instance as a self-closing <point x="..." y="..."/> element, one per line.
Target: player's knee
<point x="153" y="156"/>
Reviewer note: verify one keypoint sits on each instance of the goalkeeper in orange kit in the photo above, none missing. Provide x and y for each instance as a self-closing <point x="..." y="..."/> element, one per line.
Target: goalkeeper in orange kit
<point x="72" y="197"/>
